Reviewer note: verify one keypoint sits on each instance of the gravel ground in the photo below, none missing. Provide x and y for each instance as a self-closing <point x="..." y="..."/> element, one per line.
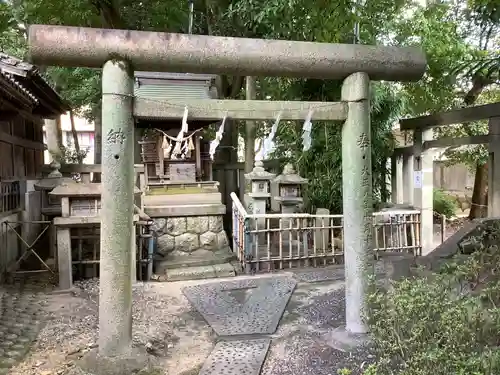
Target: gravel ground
<point x="163" y="323"/>
<point x="180" y="340"/>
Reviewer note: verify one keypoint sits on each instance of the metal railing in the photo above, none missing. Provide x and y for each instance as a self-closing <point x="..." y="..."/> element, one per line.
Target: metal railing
<point x="268" y="242"/>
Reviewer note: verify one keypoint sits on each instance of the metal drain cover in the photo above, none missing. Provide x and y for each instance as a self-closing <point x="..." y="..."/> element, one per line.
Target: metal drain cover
<point x="242" y="357"/>
<point x="230" y="310"/>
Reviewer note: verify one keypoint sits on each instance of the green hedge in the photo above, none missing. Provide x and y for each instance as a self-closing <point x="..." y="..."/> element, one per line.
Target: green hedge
<point x="444" y="204"/>
<point x="447" y="323"/>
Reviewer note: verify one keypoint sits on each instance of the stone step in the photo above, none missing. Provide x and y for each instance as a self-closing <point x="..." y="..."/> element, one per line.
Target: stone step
<point x="180" y="210"/>
<point x="182" y="199"/>
<point x="206" y="258"/>
<point x="197" y="273"/>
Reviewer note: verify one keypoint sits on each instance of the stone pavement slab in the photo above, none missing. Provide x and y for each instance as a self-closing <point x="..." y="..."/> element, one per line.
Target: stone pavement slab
<point x="244" y="306"/>
<point x="241" y="357"/>
<point x="20" y="322"/>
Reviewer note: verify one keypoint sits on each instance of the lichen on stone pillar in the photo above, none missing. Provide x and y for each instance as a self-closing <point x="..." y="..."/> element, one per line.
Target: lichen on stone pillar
<point x="357" y="198"/>
<point x="115" y="300"/>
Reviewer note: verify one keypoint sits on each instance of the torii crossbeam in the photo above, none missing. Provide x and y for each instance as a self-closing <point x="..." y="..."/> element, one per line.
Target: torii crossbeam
<point x="119" y="52"/>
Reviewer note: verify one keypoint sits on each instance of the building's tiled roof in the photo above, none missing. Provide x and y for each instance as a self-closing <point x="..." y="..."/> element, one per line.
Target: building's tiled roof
<point x="10" y="80"/>
<point x="26" y="79"/>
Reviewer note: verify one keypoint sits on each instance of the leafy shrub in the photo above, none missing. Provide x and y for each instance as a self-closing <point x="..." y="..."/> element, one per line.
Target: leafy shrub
<point x="68" y="155"/>
<point x="444" y="204"/>
<point x="445" y="323"/>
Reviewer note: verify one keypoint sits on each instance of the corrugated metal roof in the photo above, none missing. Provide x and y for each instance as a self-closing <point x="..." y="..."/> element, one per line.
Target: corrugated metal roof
<point x="179" y="76"/>
<point x="194" y="90"/>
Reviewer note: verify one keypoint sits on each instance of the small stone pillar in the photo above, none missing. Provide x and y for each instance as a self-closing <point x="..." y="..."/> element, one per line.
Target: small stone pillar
<point x="423" y="187"/>
<point x="494" y="167"/>
<point x="408" y="179"/>
<point x="397" y="185"/>
<point x="290" y="194"/>
<point x="321" y="236"/>
<point x="260" y="180"/>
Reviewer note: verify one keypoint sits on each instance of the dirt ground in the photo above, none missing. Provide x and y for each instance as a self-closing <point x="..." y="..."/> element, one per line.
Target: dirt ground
<point x="163" y="323"/>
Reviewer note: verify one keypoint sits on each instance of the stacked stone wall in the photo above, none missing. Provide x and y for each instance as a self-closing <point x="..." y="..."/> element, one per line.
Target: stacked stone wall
<point x="191" y="234"/>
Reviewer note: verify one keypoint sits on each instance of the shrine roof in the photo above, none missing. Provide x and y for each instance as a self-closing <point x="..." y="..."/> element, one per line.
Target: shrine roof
<point x="175" y="76"/>
<point x="81" y="190"/>
<point x="28" y="83"/>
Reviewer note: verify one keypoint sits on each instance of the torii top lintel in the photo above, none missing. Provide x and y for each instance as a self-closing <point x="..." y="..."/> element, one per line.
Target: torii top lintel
<point x="184" y="53"/>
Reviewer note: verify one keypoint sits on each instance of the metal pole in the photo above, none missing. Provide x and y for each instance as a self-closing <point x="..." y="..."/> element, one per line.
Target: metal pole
<point x="117" y="228"/>
<point x="357" y="198"/>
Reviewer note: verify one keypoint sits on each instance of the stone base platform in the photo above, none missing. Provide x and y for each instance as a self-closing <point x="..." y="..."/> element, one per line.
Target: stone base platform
<point x="198" y="265"/>
<point x="192" y="247"/>
<point x="197" y="273"/>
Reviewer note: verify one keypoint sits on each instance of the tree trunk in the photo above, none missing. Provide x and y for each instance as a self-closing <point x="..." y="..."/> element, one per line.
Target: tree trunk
<point x="54" y="140"/>
<point x="480" y="193"/>
<point x="479" y="202"/>
<point x="75" y="138"/>
<point x="250" y="128"/>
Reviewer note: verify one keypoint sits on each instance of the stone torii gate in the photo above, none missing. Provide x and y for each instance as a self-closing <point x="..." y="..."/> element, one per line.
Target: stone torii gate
<point x="119" y="52"/>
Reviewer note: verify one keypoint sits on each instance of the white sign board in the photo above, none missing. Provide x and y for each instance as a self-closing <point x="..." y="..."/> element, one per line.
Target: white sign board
<point x="182" y="172"/>
<point x="417" y="179"/>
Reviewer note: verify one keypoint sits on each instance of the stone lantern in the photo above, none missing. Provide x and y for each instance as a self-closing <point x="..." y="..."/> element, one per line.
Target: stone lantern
<point x="290" y="187"/>
<point x="260" y="180"/>
<point x="290" y="195"/>
<point x="51" y="205"/>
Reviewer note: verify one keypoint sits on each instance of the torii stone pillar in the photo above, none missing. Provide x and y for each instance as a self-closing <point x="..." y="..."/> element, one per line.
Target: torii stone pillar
<point x="357" y="198"/>
<point x="117" y="212"/>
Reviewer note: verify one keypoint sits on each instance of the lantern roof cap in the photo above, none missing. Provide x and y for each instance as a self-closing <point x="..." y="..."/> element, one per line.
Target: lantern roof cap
<point x="259" y="173"/>
<point x="290" y="177"/>
<point x="54" y="178"/>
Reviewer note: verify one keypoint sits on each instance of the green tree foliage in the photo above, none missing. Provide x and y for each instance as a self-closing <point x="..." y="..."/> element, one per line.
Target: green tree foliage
<point x="436" y="29"/>
<point x="443" y="29"/>
<point x="322" y="164"/>
<point x="80" y="86"/>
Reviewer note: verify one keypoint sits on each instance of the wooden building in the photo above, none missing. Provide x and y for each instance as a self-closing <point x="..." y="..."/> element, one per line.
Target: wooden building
<point x="26" y="99"/>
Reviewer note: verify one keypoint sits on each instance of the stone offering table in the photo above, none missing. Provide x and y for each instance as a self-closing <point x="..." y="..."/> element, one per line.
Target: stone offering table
<point x="188" y="222"/>
<point x="80" y="209"/>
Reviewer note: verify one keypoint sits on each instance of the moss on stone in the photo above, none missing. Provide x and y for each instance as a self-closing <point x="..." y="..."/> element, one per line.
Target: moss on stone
<point x="192" y="371"/>
<point x="175" y="190"/>
<point x="151" y="371"/>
